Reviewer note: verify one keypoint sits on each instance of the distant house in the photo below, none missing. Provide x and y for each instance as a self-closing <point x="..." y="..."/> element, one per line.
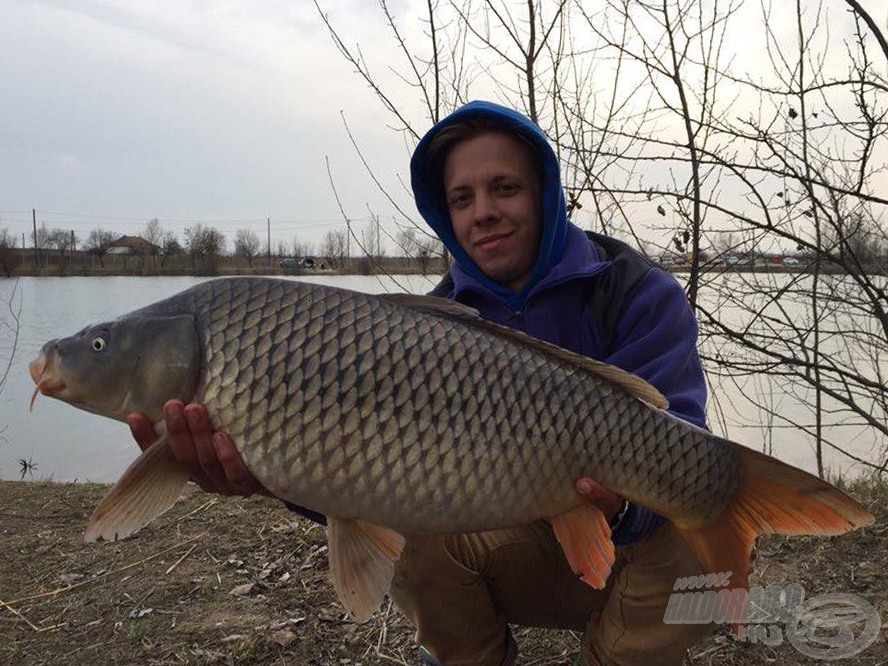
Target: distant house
<point x="128" y="245"/>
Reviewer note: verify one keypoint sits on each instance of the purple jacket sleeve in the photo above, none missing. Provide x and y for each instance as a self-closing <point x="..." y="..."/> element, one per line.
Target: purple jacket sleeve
<point x="657" y="339"/>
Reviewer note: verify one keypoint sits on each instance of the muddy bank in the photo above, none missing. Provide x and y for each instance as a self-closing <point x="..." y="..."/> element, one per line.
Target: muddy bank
<point x="234" y="581"/>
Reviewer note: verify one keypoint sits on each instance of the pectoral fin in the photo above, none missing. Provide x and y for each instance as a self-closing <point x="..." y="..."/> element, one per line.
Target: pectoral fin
<point x="148" y="487"/>
<point x="362" y="563"/>
<point x="585" y="537"/>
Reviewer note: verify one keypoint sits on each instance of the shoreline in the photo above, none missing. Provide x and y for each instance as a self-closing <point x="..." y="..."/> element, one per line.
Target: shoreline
<point x="394" y="266"/>
<point x="231" y="580"/>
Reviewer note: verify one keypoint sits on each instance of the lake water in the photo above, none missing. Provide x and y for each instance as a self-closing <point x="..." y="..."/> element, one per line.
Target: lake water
<point x="68" y="444"/>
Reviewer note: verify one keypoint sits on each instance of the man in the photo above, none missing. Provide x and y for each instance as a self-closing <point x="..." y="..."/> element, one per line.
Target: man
<point x="487" y="182"/>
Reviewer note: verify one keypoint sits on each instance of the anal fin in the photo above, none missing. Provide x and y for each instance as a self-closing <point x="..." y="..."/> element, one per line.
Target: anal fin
<point x="585" y="537"/>
<point x="362" y="563"/>
<point x="148" y="487"/>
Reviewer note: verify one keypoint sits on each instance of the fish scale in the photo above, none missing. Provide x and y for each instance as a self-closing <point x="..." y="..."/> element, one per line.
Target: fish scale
<point x="507" y="438"/>
<point x="412" y="414"/>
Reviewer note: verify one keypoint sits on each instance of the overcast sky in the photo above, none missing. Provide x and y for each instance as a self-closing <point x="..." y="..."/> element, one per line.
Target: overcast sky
<point x="114" y="112"/>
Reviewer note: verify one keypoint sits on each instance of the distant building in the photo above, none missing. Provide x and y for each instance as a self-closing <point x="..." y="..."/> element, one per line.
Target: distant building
<point x="127" y="245"/>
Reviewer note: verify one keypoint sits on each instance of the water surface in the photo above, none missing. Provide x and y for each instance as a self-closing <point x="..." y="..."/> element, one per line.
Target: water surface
<point x="69" y="444"/>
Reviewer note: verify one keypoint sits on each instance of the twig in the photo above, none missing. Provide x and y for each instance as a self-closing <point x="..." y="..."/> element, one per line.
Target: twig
<point x="27" y="621"/>
<point x="15" y="314"/>
<point x="42" y="516"/>
<point x="179" y="561"/>
<point x="200" y="508"/>
<point x="383" y="632"/>
<point x="392" y="659"/>
<point x="53" y="593"/>
<point x="709" y="651"/>
<point x="89" y="647"/>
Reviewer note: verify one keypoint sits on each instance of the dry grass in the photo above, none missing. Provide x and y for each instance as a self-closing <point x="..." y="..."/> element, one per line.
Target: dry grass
<point x="165" y="596"/>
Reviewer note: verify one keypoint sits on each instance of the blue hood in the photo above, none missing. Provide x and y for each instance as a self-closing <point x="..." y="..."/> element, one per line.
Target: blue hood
<point x="432" y="205"/>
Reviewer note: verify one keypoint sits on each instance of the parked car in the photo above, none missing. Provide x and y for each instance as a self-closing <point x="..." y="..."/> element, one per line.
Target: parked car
<point x="287" y="264"/>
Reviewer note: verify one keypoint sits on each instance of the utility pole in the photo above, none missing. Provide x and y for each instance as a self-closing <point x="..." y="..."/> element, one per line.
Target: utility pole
<point x="268" y="219"/>
<point x="36" y="251"/>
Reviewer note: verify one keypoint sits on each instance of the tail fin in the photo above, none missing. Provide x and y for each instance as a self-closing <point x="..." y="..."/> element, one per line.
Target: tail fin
<point x="773" y="497"/>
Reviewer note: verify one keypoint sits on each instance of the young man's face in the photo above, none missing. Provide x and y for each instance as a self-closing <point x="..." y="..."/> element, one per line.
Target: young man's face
<point x="493" y="195"/>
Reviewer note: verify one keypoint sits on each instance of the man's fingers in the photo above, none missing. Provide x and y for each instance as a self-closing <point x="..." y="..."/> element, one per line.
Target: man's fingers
<point x="142" y="429"/>
<point x="179" y="436"/>
<point x="210" y="457"/>
<point x="202" y="436"/>
<point x="236" y="473"/>
<point x="606" y="500"/>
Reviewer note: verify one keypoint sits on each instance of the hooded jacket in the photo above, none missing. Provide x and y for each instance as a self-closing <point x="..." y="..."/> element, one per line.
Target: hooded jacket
<point x="654" y="333"/>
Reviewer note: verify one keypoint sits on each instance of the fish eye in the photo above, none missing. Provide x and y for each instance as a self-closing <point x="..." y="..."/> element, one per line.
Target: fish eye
<point x="98" y="343"/>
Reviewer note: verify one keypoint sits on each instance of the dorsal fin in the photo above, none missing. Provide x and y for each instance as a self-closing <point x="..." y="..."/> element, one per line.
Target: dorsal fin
<point x="435" y="305"/>
<point x="442" y="307"/>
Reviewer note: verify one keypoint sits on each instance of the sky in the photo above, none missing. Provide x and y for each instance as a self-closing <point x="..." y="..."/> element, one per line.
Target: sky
<point x="114" y="113"/>
<point x="226" y="112"/>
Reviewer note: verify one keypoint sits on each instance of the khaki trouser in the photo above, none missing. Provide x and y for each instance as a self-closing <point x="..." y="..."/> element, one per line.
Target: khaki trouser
<point x="462" y="592"/>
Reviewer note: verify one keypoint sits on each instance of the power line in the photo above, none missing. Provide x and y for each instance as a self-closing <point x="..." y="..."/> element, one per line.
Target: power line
<point x="90" y="218"/>
<point x="131" y="226"/>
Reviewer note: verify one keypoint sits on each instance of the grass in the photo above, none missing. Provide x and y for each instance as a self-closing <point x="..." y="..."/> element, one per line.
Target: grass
<point x="165" y="596"/>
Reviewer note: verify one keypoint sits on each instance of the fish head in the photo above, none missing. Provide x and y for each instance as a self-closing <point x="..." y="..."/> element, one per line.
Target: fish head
<point x="131" y="364"/>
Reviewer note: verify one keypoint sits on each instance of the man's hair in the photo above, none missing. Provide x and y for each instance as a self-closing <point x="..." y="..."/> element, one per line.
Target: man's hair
<point x="469" y="128"/>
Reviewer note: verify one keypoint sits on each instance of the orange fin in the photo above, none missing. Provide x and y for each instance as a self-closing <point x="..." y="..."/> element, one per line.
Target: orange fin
<point x="148" y="487"/>
<point x="773" y="498"/>
<point x="362" y="563"/>
<point x="585" y="537"/>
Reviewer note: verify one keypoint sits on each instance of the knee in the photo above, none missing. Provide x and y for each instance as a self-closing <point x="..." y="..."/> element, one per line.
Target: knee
<point x="430" y="560"/>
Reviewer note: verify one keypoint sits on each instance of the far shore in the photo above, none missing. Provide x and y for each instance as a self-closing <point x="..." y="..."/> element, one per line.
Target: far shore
<point x="395" y="266"/>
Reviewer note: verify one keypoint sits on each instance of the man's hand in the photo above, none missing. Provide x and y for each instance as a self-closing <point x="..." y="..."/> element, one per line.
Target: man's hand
<point x="210" y="457"/>
<point x="609" y="502"/>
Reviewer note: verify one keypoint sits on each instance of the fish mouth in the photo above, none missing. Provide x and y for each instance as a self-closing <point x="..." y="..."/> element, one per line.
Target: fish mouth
<point x="43" y="371"/>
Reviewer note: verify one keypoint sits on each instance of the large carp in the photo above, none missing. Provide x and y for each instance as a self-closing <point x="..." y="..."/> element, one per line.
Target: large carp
<point x="404" y="414"/>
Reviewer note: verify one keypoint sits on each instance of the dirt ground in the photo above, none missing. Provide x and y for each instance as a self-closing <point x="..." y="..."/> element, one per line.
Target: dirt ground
<point x="233" y="581"/>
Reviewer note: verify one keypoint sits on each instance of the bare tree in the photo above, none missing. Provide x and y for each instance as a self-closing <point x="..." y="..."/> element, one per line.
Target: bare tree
<point x="302" y="249"/>
<point x="7" y="254"/>
<point x="666" y="139"/>
<point x="205" y="245"/>
<point x="42" y="243"/>
<point x="418" y="245"/>
<point x="170" y="246"/>
<point x="247" y="245"/>
<point x="371" y="239"/>
<point x="98" y="243"/>
<point x="405" y="241"/>
<point x="154" y="235"/>
<point x="334" y="247"/>
<point x="63" y="242"/>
